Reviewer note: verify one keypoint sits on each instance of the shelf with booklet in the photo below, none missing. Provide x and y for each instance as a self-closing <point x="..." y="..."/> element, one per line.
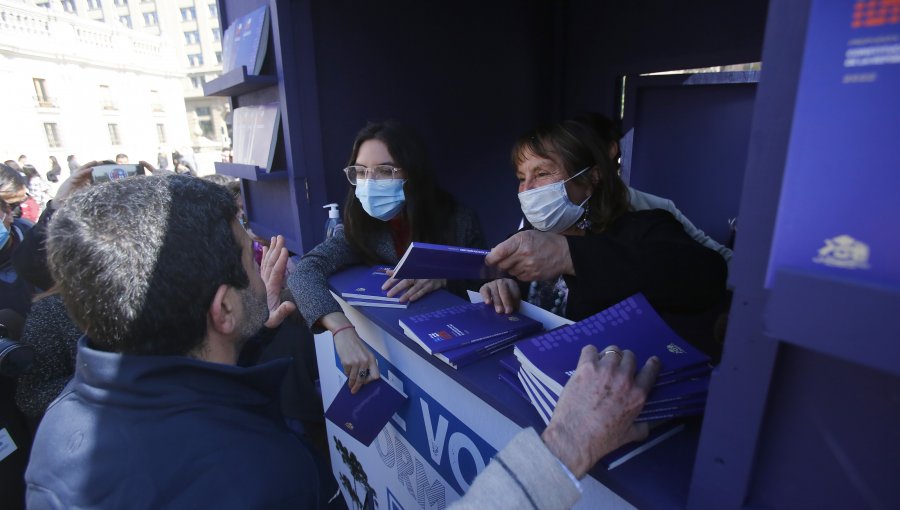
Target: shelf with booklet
<point x="486" y="383"/>
<point x="250" y="172"/>
<point x="236" y="82"/>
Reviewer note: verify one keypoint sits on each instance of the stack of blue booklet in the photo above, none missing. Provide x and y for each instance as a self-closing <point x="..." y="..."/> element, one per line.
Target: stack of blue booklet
<point x="366" y="290"/>
<point x="548" y="360"/>
<point x="465" y="333"/>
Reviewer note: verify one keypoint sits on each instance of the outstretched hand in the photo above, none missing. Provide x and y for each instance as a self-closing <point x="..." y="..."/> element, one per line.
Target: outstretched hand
<point x="596" y="411"/>
<point x="272" y="270"/>
<point x="532" y="256"/>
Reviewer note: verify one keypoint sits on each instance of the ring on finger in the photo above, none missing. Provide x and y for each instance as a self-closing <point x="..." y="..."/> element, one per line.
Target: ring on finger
<point x="612" y="351"/>
<point x="363" y="374"/>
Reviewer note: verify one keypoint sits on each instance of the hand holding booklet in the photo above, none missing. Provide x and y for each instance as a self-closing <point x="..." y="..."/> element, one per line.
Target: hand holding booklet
<point x="425" y="260"/>
<point x="364" y="415"/>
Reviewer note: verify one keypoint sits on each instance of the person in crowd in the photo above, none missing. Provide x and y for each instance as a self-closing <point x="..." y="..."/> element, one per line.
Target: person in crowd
<point x="588" y="242"/>
<point x="30" y="259"/>
<point x="23" y="160"/>
<point x="609" y="135"/>
<point x="55" y="170"/>
<point x="121" y="159"/>
<point x="37" y="187"/>
<point x="156" y="394"/>
<point x="392" y="200"/>
<point x="14" y="165"/>
<point x="53" y="336"/>
<point x="72" y="163"/>
<point x="15" y="292"/>
<point x="185" y="157"/>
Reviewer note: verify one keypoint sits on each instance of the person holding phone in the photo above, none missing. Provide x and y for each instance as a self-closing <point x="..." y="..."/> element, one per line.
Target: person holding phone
<point x="392" y="200"/>
<point x="30" y="259"/>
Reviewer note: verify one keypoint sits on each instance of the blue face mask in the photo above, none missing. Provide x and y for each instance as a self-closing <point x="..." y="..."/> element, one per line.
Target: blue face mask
<point x="381" y="199"/>
<point x="4" y="232"/>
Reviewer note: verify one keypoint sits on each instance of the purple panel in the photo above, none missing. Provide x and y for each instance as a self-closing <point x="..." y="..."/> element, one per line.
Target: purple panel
<point x="831" y="437"/>
<point x="740" y="385"/>
<point x="686" y="140"/>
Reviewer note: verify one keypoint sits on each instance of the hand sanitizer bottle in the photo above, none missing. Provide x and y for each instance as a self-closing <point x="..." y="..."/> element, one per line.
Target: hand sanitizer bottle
<point x="333" y="225"/>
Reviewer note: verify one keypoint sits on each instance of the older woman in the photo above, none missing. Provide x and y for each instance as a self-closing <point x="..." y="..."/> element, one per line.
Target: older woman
<point x="588" y="249"/>
<point x="392" y="200"/>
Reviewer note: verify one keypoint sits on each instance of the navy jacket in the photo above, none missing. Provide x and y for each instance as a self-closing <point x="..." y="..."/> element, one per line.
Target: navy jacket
<point x="171" y="432"/>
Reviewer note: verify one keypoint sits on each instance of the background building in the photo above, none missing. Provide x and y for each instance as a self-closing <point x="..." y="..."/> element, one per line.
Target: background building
<point x="98" y="77"/>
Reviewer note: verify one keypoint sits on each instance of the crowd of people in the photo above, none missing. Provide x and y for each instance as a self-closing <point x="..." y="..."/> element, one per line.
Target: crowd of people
<point x="151" y="322"/>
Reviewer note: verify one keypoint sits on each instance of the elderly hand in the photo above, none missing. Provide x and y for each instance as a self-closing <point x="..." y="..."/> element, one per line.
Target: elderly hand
<point x="272" y="270"/>
<point x="533" y="256"/>
<point x="596" y="411"/>
<point x="504" y="294"/>
<point x="414" y="289"/>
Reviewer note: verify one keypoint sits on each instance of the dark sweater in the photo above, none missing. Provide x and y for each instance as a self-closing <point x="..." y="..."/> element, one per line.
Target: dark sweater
<point x="643" y="251"/>
<point x="53" y="336"/>
<point x="171" y="432"/>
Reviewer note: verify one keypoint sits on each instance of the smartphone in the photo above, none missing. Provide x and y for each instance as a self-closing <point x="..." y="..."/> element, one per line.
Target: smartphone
<point x="106" y="173"/>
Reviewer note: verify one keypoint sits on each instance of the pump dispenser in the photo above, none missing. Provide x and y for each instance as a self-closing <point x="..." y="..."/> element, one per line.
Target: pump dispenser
<point x="333" y="224"/>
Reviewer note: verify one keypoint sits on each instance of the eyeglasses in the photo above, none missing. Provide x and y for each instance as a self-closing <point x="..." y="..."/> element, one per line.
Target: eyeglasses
<point x="11" y="206"/>
<point x="378" y="173"/>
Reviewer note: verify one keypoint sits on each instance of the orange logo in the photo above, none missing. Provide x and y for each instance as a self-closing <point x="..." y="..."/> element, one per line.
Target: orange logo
<point x="875" y="13"/>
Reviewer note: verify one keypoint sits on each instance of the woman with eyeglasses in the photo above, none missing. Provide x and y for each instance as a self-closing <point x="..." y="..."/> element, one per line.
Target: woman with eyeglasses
<point x="15" y="292"/>
<point x="392" y="200"/>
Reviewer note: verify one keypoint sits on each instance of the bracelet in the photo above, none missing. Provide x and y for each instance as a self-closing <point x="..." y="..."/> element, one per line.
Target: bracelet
<point x="342" y="328"/>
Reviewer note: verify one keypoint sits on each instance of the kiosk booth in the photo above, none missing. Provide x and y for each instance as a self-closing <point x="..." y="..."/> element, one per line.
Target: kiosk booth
<point x="803" y="409"/>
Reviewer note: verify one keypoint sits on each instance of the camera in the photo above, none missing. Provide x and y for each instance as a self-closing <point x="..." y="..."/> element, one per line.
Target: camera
<point x="114" y="172"/>
<point x="15" y="358"/>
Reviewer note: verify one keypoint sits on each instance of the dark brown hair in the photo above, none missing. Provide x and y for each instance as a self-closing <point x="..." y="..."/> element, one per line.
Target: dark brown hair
<point x="427" y="208"/>
<point x="576" y="146"/>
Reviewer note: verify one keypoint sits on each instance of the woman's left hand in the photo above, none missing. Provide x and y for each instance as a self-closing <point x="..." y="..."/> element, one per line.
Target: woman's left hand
<point x="414" y="289"/>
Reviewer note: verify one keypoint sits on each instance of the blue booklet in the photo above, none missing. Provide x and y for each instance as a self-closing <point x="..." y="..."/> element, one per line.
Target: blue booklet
<point x="471" y="353"/>
<point x="368" y="287"/>
<point x="364" y="415"/>
<point x="425" y="260"/>
<point x="245" y="42"/>
<point x="461" y="325"/>
<point x="631" y="324"/>
<point x="657" y="435"/>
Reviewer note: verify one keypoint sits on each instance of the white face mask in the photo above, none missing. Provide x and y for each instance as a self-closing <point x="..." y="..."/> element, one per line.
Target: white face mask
<point x="549" y="209"/>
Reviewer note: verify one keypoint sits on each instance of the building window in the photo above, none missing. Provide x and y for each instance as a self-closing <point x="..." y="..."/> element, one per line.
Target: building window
<point x="213" y="11"/>
<point x="217" y="34"/>
<point x="120" y="3"/>
<point x="155" y="102"/>
<point x="68" y="5"/>
<point x="106" y="98"/>
<point x="195" y="59"/>
<point x="188" y="13"/>
<point x="203" y="111"/>
<point x="197" y="81"/>
<point x="151" y="19"/>
<point x="207" y="127"/>
<point x="192" y="37"/>
<point x="40" y="94"/>
<point x="219" y="57"/>
<point x="94" y="5"/>
<point x="45" y="5"/>
<point x="52" y="132"/>
<point x="125" y="20"/>
<point x="161" y="133"/>
<point x="114" y="137"/>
